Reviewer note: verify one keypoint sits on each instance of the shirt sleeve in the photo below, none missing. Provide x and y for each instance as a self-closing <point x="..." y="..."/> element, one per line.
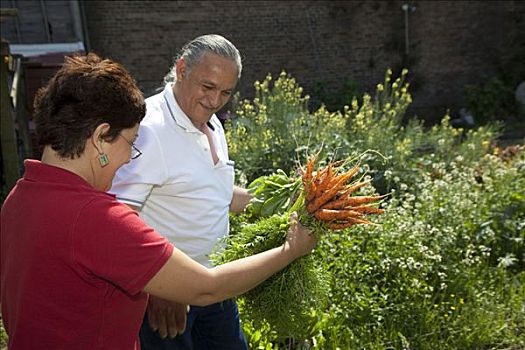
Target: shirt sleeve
<point x="133" y="181"/>
<point x="111" y="242"/>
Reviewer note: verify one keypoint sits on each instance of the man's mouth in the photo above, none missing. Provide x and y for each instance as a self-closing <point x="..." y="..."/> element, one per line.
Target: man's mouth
<point x="211" y="109"/>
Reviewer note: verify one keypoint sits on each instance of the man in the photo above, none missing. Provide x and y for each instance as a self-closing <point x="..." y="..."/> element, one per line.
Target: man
<point x="183" y="186"/>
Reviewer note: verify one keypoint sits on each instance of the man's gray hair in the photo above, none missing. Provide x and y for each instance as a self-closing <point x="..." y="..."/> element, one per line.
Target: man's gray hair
<point x="193" y="51"/>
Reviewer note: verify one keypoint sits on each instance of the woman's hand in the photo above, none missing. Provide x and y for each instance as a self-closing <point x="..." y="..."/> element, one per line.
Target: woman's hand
<point x="300" y="240"/>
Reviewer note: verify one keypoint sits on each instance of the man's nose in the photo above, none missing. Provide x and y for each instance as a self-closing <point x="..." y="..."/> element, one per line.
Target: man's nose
<point x="215" y="99"/>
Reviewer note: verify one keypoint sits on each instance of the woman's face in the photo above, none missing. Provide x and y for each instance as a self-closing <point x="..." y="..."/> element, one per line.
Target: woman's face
<point x="119" y="152"/>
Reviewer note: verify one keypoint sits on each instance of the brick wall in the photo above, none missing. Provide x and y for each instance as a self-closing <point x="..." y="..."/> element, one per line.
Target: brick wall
<point x="462" y="42"/>
<point x="452" y="43"/>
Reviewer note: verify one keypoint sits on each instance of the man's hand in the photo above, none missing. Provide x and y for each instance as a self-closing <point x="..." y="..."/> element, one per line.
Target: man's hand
<point x="166" y="317"/>
<point x="241" y="198"/>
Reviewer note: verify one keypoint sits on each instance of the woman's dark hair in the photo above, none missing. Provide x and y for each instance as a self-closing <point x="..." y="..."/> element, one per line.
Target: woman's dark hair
<point x="86" y="92"/>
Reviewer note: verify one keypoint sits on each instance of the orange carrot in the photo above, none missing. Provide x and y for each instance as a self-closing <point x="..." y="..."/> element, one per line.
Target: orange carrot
<point x="318" y="176"/>
<point x="325" y="197"/>
<point x="361" y="221"/>
<point x="316" y="182"/>
<point x="365" y="209"/>
<point x="309" y="169"/>
<point x="356" y="200"/>
<point x="351" y="173"/>
<point x="331" y="215"/>
<point x="329" y="195"/>
<point x="324" y="181"/>
<point x="338" y="202"/>
<point x="307" y="175"/>
<point x="354" y="187"/>
<point x="344" y="177"/>
<point x="333" y="190"/>
<point x="339" y="225"/>
<point x="351" y="221"/>
<point x="311" y="193"/>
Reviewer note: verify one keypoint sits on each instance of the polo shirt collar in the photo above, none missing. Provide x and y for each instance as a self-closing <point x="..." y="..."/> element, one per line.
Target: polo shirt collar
<point x="37" y="171"/>
<point x="176" y="113"/>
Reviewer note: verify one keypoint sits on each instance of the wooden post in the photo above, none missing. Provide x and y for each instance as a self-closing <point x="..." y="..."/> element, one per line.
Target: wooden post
<point x="19" y="98"/>
<point x="10" y="160"/>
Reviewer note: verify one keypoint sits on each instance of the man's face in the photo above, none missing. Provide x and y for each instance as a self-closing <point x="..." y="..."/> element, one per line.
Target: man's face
<point x="206" y="88"/>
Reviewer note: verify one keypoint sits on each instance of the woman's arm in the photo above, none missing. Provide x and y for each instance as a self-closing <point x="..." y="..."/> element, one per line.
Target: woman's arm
<point x="183" y="280"/>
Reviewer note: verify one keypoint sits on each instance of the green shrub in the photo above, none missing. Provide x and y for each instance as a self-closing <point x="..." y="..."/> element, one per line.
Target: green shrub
<point x="263" y="124"/>
<point x="445" y="269"/>
<point x="3" y="336"/>
<point x="276" y="131"/>
<point x="269" y="132"/>
<point x="491" y="101"/>
<point x="334" y="100"/>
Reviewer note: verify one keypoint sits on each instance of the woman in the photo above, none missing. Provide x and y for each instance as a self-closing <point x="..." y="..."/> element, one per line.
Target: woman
<point x="76" y="265"/>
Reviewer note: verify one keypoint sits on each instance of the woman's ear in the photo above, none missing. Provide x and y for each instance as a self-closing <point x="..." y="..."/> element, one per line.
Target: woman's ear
<point x="99" y="136"/>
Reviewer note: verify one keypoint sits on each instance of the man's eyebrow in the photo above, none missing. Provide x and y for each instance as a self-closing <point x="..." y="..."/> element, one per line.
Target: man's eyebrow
<point x="208" y="82"/>
<point x="211" y="83"/>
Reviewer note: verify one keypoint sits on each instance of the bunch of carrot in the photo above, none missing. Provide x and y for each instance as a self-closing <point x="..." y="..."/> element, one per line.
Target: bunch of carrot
<point x="330" y="195"/>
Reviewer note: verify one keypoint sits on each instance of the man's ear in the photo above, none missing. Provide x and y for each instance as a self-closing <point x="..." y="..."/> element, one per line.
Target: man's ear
<point x="181" y="69"/>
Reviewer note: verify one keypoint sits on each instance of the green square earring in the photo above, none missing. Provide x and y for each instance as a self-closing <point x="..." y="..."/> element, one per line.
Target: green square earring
<point x="103" y="159"/>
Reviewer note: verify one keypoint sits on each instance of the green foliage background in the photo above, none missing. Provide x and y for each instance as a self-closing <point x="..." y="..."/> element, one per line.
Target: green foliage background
<point x="446" y="268"/>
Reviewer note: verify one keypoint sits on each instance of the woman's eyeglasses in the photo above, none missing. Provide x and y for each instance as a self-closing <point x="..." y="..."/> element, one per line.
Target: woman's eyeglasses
<point x="135" y="152"/>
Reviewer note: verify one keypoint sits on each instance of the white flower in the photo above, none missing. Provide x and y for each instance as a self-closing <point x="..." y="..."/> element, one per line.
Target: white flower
<point x="507" y="261"/>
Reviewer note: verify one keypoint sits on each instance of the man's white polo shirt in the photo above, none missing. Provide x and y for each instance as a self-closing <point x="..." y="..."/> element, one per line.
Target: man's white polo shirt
<point x="181" y="193"/>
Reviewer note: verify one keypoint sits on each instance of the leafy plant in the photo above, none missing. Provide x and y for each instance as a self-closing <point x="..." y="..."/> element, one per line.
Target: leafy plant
<point x="334" y="100"/>
<point x="493" y="100"/>
<point x="271" y="127"/>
